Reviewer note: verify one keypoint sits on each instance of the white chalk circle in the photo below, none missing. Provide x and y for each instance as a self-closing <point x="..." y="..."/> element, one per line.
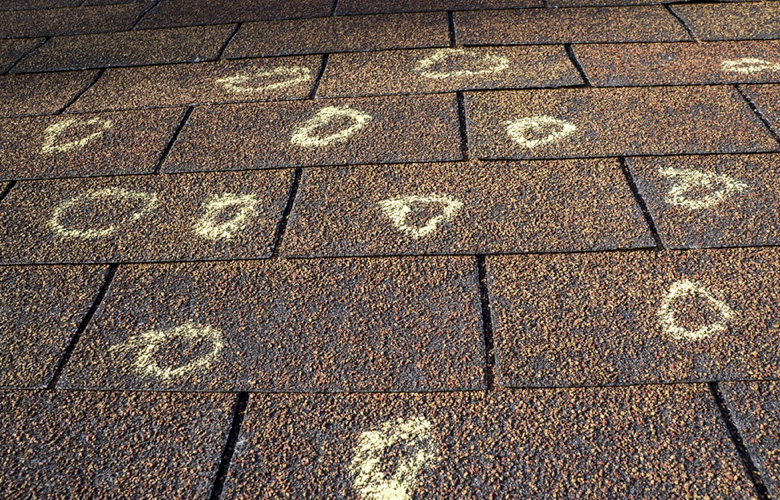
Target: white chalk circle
<point x="54" y="132"/>
<point x="369" y="476"/>
<point x="749" y="65"/>
<point x="148" y="200"/>
<point x="150" y="343"/>
<point x="211" y="225"/>
<point x="303" y="135"/>
<point x="683" y="289"/>
<point x="430" y="67"/>
<point x="257" y="80"/>
<point x="716" y="188"/>
<point x="399" y="209"/>
<point x="546" y="129"/>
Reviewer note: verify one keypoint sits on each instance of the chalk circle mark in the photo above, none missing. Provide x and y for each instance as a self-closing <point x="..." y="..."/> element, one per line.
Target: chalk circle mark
<point x="681" y="290"/>
<point x="534" y="131"/>
<point x="303" y="135"/>
<point x="225" y="215"/>
<point x="147" y="201"/>
<point x="55" y="131"/>
<point x="749" y="65"/>
<point x="433" y="65"/>
<point x="370" y="477"/>
<point x="149" y="344"/>
<point x="399" y="209"/>
<point x="258" y="80"/>
<point x="687" y="183"/>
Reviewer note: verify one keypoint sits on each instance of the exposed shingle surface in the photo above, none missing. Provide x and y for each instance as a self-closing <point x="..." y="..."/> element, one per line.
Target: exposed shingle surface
<point x="765" y="97"/>
<point x="732" y="20"/>
<point x="12" y="50"/>
<point x="194" y="12"/>
<point x="41" y="93"/>
<point x="384" y="6"/>
<point x="71" y="21"/>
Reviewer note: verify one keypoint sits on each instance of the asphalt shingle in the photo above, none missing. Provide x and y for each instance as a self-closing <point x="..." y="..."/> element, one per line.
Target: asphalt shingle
<point x="40" y="93"/>
<point x="384" y="6"/>
<point x="732" y="20"/>
<point x="71" y="21"/>
<point x="767" y="100"/>
<point x="12" y="50"/>
<point x="189" y="12"/>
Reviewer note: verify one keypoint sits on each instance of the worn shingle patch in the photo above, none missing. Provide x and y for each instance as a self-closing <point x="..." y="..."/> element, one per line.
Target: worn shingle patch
<point x="287" y="325"/>
<point x="127" y="48"/>
<point x="93" y="444"/>
<point x="221" y="81"/>
<point x="40" y="310"/>
<point x="681" y="63"/>
<point x="447" y="69"/>
<point x="149" y="218"/>
<point x="70" y="21"/>
<point x="79" y="145"/>
<point x="618" y="318"/>
<point x="712" y="201"/>
<point x="622" y="442"/>
<point x="732" y="21"/>
<point x="189" y="12"/>
<point x="12" y="50"/>
<point x="40" y="93"/>
<point x="338" y="34"/>
<point x="465" y="208"/>
<point x="383" y="6"/>
<point x="604" y="122"/>
<point x="579" y="25"/>
<point x="756" y="409"/>
<point x="319" y="132"/>
<point x="767" y="100"/>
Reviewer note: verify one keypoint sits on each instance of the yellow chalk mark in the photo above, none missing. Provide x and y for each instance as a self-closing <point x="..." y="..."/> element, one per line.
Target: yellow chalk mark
<point x="426" y="67"/>
<point x="398" y="209"/>
<point x="749" y="65"/>
<point x="209" y="226"/>
<point x="150" y="342"/>
<point x="687" y="288"/>
<point x="369" y="477"/>
<point x="548" y="128"/>
<point x="302" y="135"/>
<point x="719" y="188"/>
<point x="242" y="82"/>
<point x="149" y="201"/>
<point x="54" y="131"/>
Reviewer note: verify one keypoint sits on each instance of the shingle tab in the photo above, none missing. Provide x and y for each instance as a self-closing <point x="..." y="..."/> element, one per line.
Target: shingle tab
<point x="767" y="100"/>
<point x="385" y="6"/>
<point x="12" y="50"/>
<point x="732" y="20"/>
<point x="40" y="93"/>
<point x="189" y="12"/>
<point x="70" y="21"/>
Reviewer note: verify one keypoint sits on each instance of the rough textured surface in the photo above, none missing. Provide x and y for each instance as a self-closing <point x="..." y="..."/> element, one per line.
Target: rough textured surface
<point x="37" y="4"/>
<point x="220" y="82"/>
<point x="651" y="442"/>
<point x="635" y="317"/>
<point x="628" y="24"/>
<point x="333" y="325"/>
<point x="88" y="445"/>
<point x="757" y="416"/>
<point x="40" y="310"/>
<point x="386" y="130"/>
<point x="149" y="218"/>
<point x="711" y="201"/>
<point x="42" y="93"/>
<point x="442" y="70"/>
<point x="732" y="21"/>
<point x="188" y="12"/>
<point x="83" y="145"/>
<point x="338" y="34"/>
<point x="383" y="6"/>
<point x="498" y="207"/>
<point x="12" y="50"/>
<point x="127" y="48"/>
<point x="767" y="100"/>
<point x="71" y="21"/>
<point x="680" y="63"/>
<point x="625" y="121"/>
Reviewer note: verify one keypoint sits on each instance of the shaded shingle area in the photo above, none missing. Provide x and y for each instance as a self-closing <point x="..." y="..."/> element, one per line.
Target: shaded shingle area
<point x="318" y="132"/>
<point x="465" y="208"/>
<point x="83" y="145"/>
<point x="87" y="444"/>
<point x="577" y="25"/>
<point x="767" y="101"/>
<point x="127" y="48"/>
<point x="143" y="218"/>
<point x="713" y="201"/>
<point x="219" y="82"/>
<point x="620" y="318"/>
<point x="447" y="69"/>
<point x="37" y="4"/>
<point x="681" y="63"/>
<point x="192" y="12"/>
<point x="12" y="50"/>
<point x="40" y="310"/>
<point x="756" y="410"/>
<point x="40" y="93"/>
<point x="71" y="21"/>
<point x="733" y="20"/>
<point x="605" y="122"/>
<point x="383" y="7"/>
<point x="287" y="325"/>
<point x="621" y="442"/>
<point x="340" y="34"/>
